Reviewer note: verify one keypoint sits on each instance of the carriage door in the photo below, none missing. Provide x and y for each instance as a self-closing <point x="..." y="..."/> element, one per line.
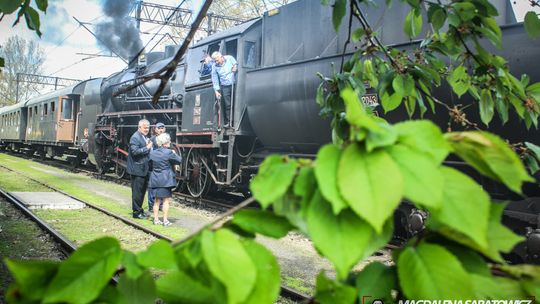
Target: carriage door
<point x="65" y="122"/>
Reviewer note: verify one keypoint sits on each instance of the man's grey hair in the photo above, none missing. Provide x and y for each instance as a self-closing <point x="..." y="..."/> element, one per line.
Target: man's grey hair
<point x="162" y="139"/>
<point x="216" y="55"/>
<point x="143" y="122"/>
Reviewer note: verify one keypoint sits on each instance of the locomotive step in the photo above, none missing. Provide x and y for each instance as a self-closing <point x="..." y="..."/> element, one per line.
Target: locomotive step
<point x="222" y="155"/>
<point x="221" y="170"/>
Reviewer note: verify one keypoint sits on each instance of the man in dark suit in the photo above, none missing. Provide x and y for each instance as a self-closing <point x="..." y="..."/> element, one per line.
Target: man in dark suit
<point x="137" y="166"/>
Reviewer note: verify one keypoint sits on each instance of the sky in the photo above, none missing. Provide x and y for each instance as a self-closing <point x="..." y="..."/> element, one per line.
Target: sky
<point x="63" y="39"/>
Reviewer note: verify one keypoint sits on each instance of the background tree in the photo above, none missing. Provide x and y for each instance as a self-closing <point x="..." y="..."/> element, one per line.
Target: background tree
<point x="24" y="9"/>
<point x="21" y="56"/>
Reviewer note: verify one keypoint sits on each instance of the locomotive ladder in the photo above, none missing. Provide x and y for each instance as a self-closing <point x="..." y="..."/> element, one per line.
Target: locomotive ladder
<point x="225" y="158"/>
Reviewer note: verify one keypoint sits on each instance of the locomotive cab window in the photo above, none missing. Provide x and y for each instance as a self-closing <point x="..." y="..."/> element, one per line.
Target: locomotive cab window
<point x="205" y="71"/>
<point x="231" y="48"/>
<point x="67" y="108"/>
<point x="250" y="56"/>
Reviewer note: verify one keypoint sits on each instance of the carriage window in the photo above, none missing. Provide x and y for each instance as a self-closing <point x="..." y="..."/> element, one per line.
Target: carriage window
<point x="67" y="107"/>
<point x="30" y="114"/>
<point x="249" y="54"/>
<point x="52" y="106"/>
<point x="231" y="48"/>
<point x="35" y="110"/>
<point x="45" y="108"/>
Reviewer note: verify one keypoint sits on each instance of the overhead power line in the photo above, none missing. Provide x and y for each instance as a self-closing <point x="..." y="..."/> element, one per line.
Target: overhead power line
<point x="180" y="17"/>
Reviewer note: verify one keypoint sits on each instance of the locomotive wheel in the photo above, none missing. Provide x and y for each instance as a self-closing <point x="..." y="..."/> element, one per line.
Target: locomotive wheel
<point x="197" y="177"/>
<point x="119" y="171"/>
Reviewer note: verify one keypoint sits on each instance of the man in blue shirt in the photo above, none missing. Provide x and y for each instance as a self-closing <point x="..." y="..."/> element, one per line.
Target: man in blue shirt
<point x="223" y="80"/>
<point x="207" y="65"/>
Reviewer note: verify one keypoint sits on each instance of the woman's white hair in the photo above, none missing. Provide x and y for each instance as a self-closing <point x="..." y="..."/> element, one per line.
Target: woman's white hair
<point x="162" y="139"/>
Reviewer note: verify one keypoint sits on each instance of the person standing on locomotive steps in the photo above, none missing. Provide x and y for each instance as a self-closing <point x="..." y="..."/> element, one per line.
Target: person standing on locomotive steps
<point x="137" y="166"/>
<point x="223" y="80"/>
<point x="162" y="176"/>
<point x="158" y="129"/>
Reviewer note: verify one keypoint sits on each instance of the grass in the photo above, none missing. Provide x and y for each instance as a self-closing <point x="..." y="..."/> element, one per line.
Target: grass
<point x="84" y="225"/>
<point x="297" y="284"/>
<point x="13" y="182"/>
<point x="113" y="197"/>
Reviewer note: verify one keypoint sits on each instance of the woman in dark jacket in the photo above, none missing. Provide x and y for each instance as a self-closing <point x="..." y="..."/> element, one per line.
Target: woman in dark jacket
<point x="162" y="177"/>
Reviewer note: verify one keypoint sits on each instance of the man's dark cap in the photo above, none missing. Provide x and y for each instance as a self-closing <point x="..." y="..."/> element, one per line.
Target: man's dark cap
<point x="160" y="125"/>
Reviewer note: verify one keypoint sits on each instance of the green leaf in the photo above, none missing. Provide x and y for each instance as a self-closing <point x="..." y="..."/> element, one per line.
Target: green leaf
<point x="263" y="222"/>
<point x="42" y="5"/>
<point x="534" y="91"/>
<point x="32" y="277"/>
<point x="267" y="285"/>
<point x="493" y="288"/>
<point x="499" y="237"/>
<point x="133" y="269"/>
<point x="294" y="209"/>
<point x="465" y="10"/>
<point x="159" y="255"/>
<point x="423" y="136"/>
<point x="430" y="272"/>
<point x="140" y="290"/>
<point x="273" y="179"/>
<point x="532" y="24"/>
<point x="358" y="34"/>
<point x="85" y="273"/>
<point x="421" y="176"/>
<point x="471" y="261"/>
<point x="9" y="6"/>
<point x="491" y="156"/>
<point x="2" y="62"/>
<point x="340" y="8"/>
<point x="413" y="23"/>
<point x="331" y="292"/>
<point x="377" y="281"/>
<point x="383" y="136"/>
<point x="178" y="287"/>
<point x="465" y="206"/>
<point x="391" y="102"/>
<point x="532" y="287"/>
<point x="326" y="170"/>
<point x="32" y="19"/>
<point x="364" y="179"/>
<point x="492" y="31"/>
<point x="225" y="257"/>
<point x="355" y="114"/>
<point x="534" y="148"/>
<point x="333" y="235"/>
<point x="436" y="16"/>
<point x="531" y="163"/>
<point x="459" y="80"/>
<point x="486" y="107"/>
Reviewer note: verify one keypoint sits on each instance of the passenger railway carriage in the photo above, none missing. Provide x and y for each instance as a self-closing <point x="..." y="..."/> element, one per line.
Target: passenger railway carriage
<point x="273" y="111"/>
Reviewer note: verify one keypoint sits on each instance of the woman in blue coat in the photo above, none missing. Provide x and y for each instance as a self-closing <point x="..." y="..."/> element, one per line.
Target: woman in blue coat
<point x="162" y="176"/>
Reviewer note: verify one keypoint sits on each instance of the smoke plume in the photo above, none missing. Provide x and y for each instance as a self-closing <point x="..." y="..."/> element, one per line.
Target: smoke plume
<point x="119" y="33"/>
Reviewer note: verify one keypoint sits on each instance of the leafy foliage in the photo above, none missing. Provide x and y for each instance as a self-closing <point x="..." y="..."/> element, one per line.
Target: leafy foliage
<point x="31" y="15"/>
<point x="344" y="200"/>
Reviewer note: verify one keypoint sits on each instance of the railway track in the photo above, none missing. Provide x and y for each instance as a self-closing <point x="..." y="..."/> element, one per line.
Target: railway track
<point x="69" y="246"/>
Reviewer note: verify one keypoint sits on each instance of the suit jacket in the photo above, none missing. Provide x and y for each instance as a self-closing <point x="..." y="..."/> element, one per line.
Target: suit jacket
<point x="137" y="162"/>
<point x="162" y="174"/>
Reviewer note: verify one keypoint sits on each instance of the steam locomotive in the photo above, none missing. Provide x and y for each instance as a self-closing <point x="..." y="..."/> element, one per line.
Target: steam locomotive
<point x="273" y="108"/>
